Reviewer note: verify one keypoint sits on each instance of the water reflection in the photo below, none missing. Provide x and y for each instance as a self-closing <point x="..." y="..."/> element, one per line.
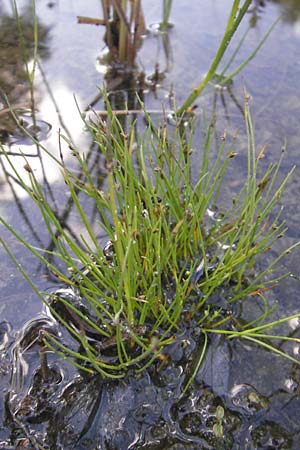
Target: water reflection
<point x="13" y="74"/>
<point x="130" y="80"/>
<point x="290" y="10"/>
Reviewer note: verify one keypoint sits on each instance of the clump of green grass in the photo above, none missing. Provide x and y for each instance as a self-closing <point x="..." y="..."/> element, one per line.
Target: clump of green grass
<point x="162" y="260"/>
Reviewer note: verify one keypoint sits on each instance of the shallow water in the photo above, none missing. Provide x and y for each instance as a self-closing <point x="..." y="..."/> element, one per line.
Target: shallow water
<point x="69" y="65"/>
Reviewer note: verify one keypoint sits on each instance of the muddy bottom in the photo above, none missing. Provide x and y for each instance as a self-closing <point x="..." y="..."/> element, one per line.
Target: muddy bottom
<point x="51" y="405"/>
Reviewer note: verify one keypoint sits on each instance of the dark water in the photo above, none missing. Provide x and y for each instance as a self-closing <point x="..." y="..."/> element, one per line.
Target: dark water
<point x="70" y="65"/>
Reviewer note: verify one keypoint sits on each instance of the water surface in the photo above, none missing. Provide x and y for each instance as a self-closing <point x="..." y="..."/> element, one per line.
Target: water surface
<point x="70" y="66"/>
